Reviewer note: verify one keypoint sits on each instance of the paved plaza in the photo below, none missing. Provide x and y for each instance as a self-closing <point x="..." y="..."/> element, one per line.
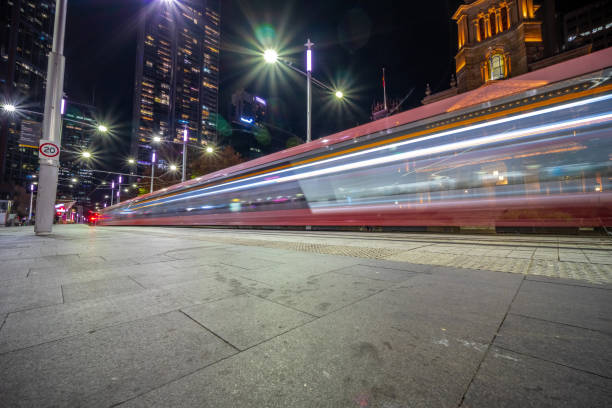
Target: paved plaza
<point x="186" y="317"/>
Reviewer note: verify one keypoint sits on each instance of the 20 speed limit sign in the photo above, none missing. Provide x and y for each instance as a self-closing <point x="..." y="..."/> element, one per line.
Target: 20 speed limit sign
<point x="49" y="150"/>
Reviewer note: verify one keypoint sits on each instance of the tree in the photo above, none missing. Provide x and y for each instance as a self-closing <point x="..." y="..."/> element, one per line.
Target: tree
<point x="210" y="162"/>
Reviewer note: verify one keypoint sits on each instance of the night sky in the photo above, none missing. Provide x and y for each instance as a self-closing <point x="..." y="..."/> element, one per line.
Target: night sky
<point x="414" y="41"/>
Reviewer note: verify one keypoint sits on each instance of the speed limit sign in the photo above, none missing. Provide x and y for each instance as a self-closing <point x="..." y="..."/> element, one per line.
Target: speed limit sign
<point x="48" y="150"/>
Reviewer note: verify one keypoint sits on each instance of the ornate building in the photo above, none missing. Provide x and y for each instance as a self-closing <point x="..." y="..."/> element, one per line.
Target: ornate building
<point x="496" y="39"/>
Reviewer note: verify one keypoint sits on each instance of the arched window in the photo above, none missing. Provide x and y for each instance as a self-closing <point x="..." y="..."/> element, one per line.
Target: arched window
<point x="496" y="67"/>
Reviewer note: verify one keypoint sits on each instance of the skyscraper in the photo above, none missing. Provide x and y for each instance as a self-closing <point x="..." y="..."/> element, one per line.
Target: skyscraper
<point x="177" y="75"/>
<point x="26" y="36"/>
<point x="78" y="128"/>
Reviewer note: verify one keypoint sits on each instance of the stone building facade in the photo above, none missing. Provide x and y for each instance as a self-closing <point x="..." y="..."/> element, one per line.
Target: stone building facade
<point x="496" y="39"/>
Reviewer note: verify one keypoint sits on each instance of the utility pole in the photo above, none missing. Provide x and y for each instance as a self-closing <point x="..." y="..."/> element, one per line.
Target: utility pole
<point x="52" y="124"/>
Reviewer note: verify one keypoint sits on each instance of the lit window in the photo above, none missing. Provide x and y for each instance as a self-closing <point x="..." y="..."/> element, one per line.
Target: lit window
<point x="496" y="67"/>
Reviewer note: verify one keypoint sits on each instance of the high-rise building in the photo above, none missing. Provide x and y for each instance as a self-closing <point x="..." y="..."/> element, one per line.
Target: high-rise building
<point x="177" y="75"/>
<point x="75" y="178"/>
<point x="249" y="135"/>
<point x="26" y="37"/>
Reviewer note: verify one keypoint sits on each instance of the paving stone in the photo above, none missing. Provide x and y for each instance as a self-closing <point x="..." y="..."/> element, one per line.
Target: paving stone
<point x="294" y="272"/>
<point x="172" y="275"/>
<point x="507" y="379"/>
<point x="325" y="293"/>
<point x="74" y="292"/>
<point x="110" y="365"/>
<point x="377" y="273"/>
<point x="15" y="298"/>
<point x="41" y="325"/>
<point x="574" y="305"/>
<point x="584" y="349"/>
<point x="246" y="320"/>
<point x="214" y="288"/>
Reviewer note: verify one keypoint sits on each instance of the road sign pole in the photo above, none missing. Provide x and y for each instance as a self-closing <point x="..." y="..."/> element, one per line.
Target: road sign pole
<point x="52" y="125"/>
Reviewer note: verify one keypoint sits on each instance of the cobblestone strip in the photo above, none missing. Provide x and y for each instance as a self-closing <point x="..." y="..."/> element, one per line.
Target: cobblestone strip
<point x="594" y="273"/>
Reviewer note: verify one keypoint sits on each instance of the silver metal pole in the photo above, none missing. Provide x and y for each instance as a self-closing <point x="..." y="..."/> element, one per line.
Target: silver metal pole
<point x="31" y="201"/>
<point x="308" y="90"/>
<point x="308" y="109"/>
<point x="184" y="155"/>
<point x="152" y="170"/>
<point x="52" y="125"/>
<point x="119" y="194"/>
<point x="112" y="194"/>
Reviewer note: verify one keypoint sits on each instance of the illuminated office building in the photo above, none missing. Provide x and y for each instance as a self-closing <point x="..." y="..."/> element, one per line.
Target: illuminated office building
<point x="26" y="37"/>
<point x="177" y="75"/>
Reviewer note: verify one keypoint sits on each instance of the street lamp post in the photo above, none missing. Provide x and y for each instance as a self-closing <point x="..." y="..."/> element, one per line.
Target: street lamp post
<point x="271" y="56"/>
<point x="152" y="170"/>
<point x="119" y="190"/>
<point x="308" y="45"/>
<point x="31" y="201"/>
<point x="185" y="137"/>
<point x="52" y="123"/>
<point x="112" y="191"/>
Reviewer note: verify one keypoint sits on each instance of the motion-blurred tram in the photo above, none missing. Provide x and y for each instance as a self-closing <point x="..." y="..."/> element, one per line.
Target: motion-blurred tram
<point x="530" y="151"/>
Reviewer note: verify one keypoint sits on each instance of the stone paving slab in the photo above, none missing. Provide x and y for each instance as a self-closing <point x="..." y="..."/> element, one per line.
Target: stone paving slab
<point x="14" y="299"/>
<point x="375" y="272"/>
<point x="109" y="365"/>
<point x="296" y="270"/>
<point x="246" y="320"/>
<point x="74" y="292"/>
<point x="572" y="305"/>
<point x="508" y="379"/>
<point x="323" y="294"/>
<point x="587" y="350"/>
<point x="42" y="325"/>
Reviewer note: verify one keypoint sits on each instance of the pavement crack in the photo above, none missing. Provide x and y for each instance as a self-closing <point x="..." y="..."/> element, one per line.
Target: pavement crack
<point x="553" y="362"/>
<point x="209" y="330"/>
<point x="4" y="321"/>
<point x="487" y="351"/>
<point x="561" y="323"/>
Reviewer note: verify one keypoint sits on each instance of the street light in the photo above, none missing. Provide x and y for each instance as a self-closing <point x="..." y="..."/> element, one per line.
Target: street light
<point x="86" y="155"/>
<point x="156" y="139"/>
<point x="74" y="180"/>
<point x="131" y="161"/>
<point x="9" y="108"/>
<point x="102" y="128"/>
<point x="173" y="167"/>
<point x="209" y="149"/>
<point x="271" y="56"/>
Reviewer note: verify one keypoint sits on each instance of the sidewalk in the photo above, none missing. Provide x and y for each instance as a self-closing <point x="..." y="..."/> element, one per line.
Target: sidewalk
<point x="140" y="317"/>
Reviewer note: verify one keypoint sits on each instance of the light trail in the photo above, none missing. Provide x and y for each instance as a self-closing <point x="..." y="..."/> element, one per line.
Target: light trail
<point x="403" y="156"/>
<point x="393" y="146"/>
